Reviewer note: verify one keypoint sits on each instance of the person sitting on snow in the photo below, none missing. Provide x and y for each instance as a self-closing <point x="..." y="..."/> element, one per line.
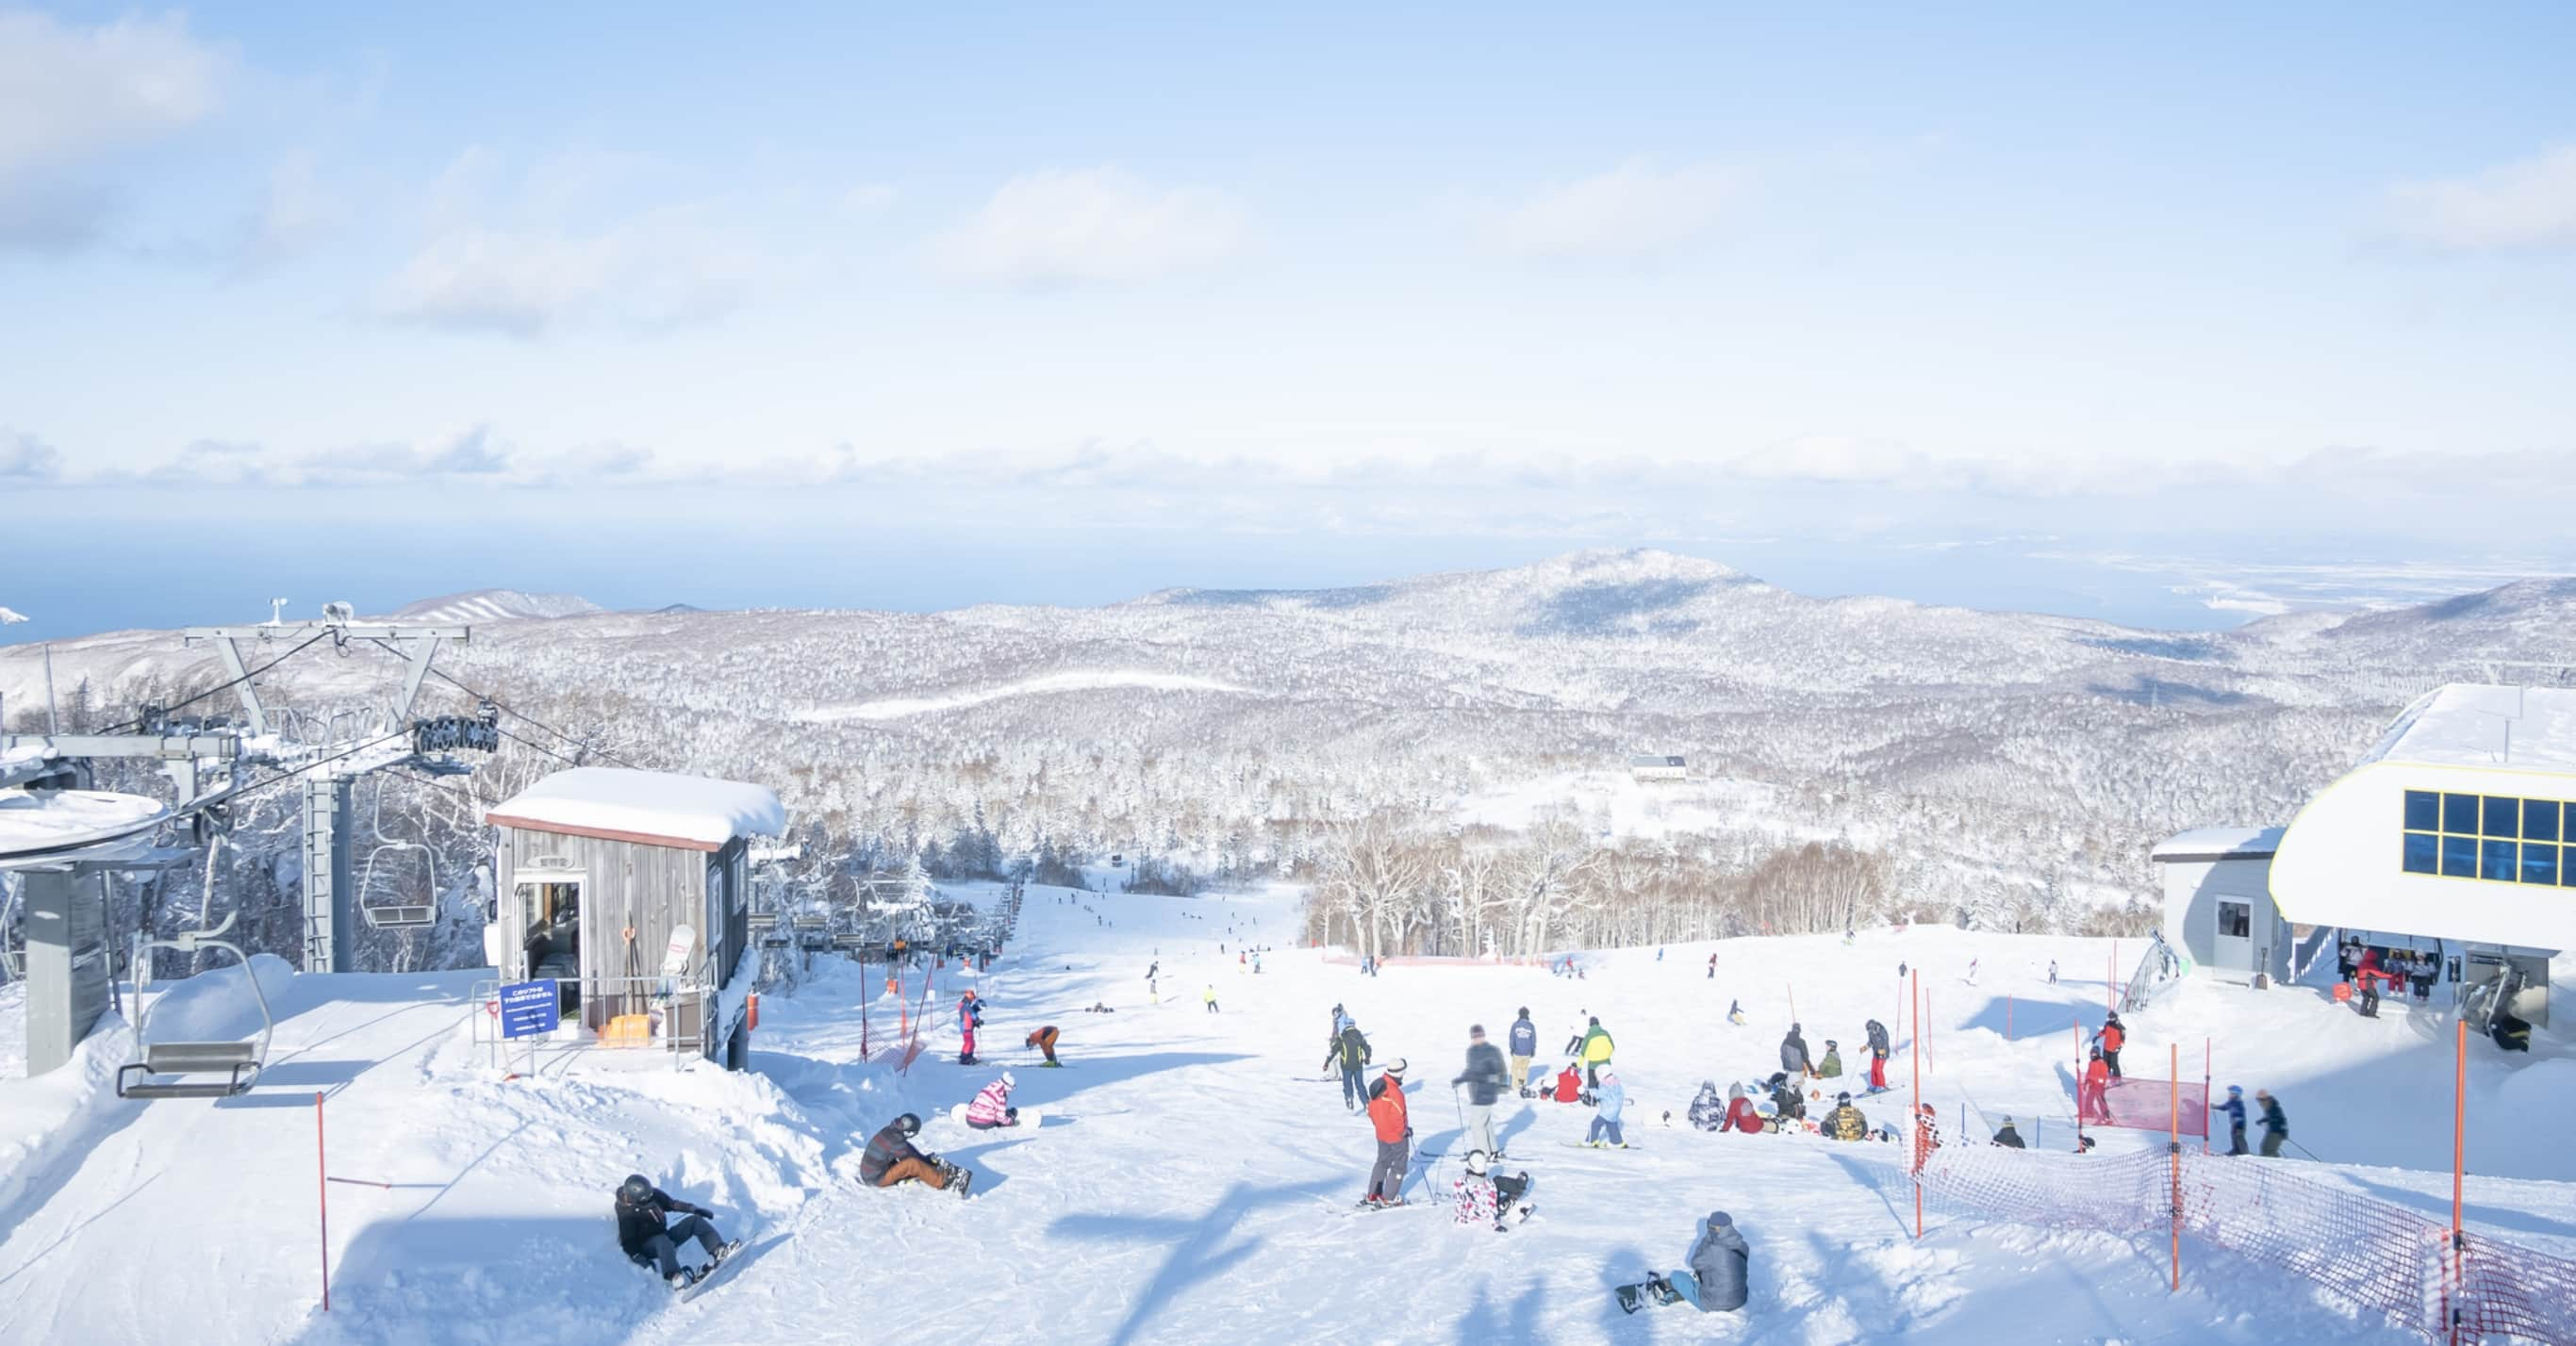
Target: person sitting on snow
<point x="1845" y="1122"/>
<point x="1719" y="1262"/>
<point x="1569" y="1084"/>
<point x="647" y="1241"/>
<point x="1708" y="1111"/>
<point x="1478" y="1195"/>
<point x="890" y="1159"/>
<point x="992" y="1105"/>
<point x="1832" y="1066"/>
<point x="1788" y="1101"/>
<point x="1741" y="1115"/>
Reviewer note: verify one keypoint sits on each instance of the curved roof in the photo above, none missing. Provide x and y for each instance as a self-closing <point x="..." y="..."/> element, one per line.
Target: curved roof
<point x="53" y="826"/>
<point x="2481" y="725"/>
<point x="656" y="808"/>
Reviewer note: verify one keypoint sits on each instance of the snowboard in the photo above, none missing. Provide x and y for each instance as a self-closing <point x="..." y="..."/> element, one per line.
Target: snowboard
<point x="710" y="1274"/>
<point x="1638" y="1296"/>
<point x="1029" y="1119"/>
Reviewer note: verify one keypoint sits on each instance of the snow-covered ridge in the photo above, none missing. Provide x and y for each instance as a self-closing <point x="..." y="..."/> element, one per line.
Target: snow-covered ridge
<point x="497" y="605"/>
<point x="894" y="708"/>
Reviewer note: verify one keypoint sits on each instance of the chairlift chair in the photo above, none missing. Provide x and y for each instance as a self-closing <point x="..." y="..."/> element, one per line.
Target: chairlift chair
<point x="396" y="915"/>
<point x="239" y="1063"/>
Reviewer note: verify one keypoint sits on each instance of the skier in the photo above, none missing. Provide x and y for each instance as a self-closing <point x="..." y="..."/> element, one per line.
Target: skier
<point x="1719" y="1261"/>
<point x="2052" y="972"/>
<point x="1574" y="1042"/>
<point x="1387" y="1115"/>
<point x="1832" y="1066"/>
<point x="1485" y="1082"/>
<point x="1349" y="1050"/>
<point x="1793" y="1054"/>
<point x="2276" y="1124"/>
<point x="1788" y="1102"/>
<point x="2007" y="1137"/>
<point x="1341" y="1020"/>
<point x="1845" y="1122"/>
<point x="1524" y="1047"/>
<point x="2094" y="1101"/>
<point x="2112" y="1037"/>
<point x="1708" y="1111"/>
<point x="1735" y="1012"/>
<point x="647" y="1241"/>
<point x="1712" y="967"/>
<point x="1877" y="1055"/>
<point x="1605" y="1117"/>
<point x="1044" y="1041"/>
<point x="890" y="1159"/>
<point x="1210" y="998"/>
<point x="970" y="1011"/>
<point x="1741" y="1115"/>
<point x="1479" y="1196"/>
<point x="1596" y="1053"/>
<point x="1972" y="972"/>
<point x="992" y="1105"/>
<point x="2234" y="1107"/>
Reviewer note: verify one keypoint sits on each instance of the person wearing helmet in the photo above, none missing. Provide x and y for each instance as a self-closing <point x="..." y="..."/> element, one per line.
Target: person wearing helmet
<point x="1605" y="1117"/>
<point x="970" y="1016"/>
<point x="992" y="1106"/>
<point x="1845" y="1122"/>
<point x="647" y="1238"/>
<point x="1479" y="1194"/>
<point x="2234" y="1107"/>
<point x="1832" y="1066"/>
<point x="1348" y="1049"/>
<point x="2007" y="1137"/>
<point x="2093" y="1101"/>
<point x="890" y="1160"/>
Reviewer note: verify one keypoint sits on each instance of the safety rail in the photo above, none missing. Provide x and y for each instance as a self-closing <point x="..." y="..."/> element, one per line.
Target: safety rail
<point x="673" y="1011"/>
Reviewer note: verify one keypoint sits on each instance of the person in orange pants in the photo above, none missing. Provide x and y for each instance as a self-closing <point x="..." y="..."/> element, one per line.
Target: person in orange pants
<point x="1044" y="1040"/>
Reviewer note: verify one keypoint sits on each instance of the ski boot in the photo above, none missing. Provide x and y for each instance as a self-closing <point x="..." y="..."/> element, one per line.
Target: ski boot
<point x="682" y="1279"/>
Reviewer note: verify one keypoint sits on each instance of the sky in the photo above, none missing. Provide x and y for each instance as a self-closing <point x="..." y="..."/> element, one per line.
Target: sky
<point x="2155" y="315"/>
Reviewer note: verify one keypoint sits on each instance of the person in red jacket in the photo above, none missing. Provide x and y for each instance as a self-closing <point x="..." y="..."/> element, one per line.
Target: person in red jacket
<point x="2094" y="1101"/>
<point x="1394" y="1126"/>
<point x="1741" y="1115"/>
<point x="1569" y="1085"/>
<point x="2114" y="1035"/>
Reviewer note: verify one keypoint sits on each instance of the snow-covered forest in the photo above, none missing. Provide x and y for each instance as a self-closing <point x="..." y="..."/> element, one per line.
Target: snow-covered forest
<point x="1442" y="757"/>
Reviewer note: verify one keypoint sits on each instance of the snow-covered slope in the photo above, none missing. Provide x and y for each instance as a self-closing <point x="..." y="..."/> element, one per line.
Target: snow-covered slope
<point x="496" y="605"/>
<point x="1194" y="1176"/>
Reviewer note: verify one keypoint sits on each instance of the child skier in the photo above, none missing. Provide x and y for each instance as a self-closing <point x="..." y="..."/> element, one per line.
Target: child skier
<point x="1394" y="1130"/>
<point x="2094" y="1101"/>
<point x="1210" y="998"/>
<point x="647" y="1241"/>
<point x="1350" y="1051"/>
<point x="2234" y="1107"/>
<point x="1605" y="1116"/>
<point x="992" y="1106"/>
<point x="1478" y="1197"/>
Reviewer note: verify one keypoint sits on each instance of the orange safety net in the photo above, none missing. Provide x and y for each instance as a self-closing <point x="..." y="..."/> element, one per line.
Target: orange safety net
<point x="2145" y="1105"/>
<point x="2376" y="1255"/>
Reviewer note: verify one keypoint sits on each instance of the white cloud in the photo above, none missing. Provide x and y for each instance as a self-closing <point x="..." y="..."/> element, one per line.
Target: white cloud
<point x="294" y="211"/>
<point x="70" y="95"/>
<point x="867" y="200"/>
<point x="27" y="458"/>
<point x="1635" y="210"/>
<point x="1063" y="227"/>
<point x="2527" y="204"/>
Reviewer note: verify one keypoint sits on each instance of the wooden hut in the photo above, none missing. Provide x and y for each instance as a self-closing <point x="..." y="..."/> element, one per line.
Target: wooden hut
<point x="632" y="889"/>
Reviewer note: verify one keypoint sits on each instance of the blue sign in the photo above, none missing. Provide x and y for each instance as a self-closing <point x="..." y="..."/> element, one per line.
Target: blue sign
<point x="530" y="1007"/>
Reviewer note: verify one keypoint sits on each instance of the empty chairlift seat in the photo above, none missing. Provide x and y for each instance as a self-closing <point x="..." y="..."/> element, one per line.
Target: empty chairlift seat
<point x="163" y="1069"/>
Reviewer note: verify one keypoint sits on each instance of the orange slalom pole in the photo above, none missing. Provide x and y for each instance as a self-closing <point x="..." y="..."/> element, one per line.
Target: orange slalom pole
<point x="1793" y="1000"/>
<point x="1917" y="980"/>
<point x="2173" y="1145"/>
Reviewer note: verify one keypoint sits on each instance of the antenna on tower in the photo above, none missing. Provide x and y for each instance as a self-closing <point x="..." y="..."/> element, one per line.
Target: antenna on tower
<point x="277" y="611"/>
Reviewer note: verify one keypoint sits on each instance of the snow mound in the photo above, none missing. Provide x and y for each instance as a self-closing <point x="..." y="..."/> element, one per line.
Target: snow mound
<point x="2541" y="1089"/>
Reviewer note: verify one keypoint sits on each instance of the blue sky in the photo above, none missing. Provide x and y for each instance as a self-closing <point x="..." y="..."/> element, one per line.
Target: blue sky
<point x="843" y="299"/>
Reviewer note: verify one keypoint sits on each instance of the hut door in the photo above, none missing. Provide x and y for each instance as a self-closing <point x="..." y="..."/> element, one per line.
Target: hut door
<point x="550" y="913"/>
<point x="2234" y="947"/>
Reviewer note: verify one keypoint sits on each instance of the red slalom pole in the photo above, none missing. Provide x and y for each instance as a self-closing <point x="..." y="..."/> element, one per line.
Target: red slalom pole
<point x="322" y="1194"/>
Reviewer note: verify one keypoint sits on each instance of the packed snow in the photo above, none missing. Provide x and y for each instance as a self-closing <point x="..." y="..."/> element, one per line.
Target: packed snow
<point x="1195" y="1176"/>
<point x="618" y="801"/>
<point x="52" y="821"/>
<point x="2469" y="724"/>
<point x="896" y="708"/>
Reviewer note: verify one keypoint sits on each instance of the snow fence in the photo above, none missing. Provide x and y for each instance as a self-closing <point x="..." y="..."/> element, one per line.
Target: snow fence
<point x="2374" y="1254"/>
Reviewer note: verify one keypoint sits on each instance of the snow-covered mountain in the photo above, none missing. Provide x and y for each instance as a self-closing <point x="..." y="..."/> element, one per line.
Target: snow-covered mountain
<point x="495" y="605"/>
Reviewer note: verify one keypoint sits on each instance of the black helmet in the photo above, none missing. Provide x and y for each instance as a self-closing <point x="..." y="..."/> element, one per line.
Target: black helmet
<point x="635" y="1189"/>
<point x="1844" y="1097"/>
<point x="908" y="1124"/>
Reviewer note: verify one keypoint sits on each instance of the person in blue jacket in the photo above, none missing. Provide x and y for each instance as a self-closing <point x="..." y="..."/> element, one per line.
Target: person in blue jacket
<point x="1524" y="1048"/>
<point x="1605" y="1118"/>
<point x="2234" y="1107"/>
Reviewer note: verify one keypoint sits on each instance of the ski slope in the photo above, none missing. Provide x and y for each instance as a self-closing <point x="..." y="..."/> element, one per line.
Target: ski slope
<point x="1194" y="1177"/>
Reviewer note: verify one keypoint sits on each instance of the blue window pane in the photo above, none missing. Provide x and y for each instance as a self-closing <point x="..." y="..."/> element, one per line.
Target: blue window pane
<point x="2504" y="816"/>
<point x="2496" y="860"/>
<point x="2460" y="857"/>
<point x="2567" y="866"/>
<point x="2460" y="813"/>
<point x="2539" y="864"/>
<point x="2423" y="811"/>
<point x="2540" y="820"/>
<point x="2423" y="853"/>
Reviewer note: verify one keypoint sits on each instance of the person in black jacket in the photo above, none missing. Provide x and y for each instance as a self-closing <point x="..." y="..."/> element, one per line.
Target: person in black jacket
<point x="648" y="1240"/>
<point x="890" y="1159"/>
<point x="2009" y="1138"/>
<point x="1485" y="1077"/>
<point x="1349" y="1050"/>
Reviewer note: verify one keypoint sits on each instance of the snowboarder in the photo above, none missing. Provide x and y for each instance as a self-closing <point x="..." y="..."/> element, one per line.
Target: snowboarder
<point x="1708" y="1111"/>
<point x="1210" y="998"/>
<point x="2112" y="1037"/>
<point x="2276" y="1124"/>
<point x="1605" y="1116"/>
<point x="643" y="1209"/>
<point x="1788" y="1101"/>
<point x="1524" y="1046"/>
<point x="2007" y="1137"/>
<point x="1485" y="1082"/>
<point x="992" y="1105"/>
<point x="1793" y="1053"/>
<point x="1596" y="1052"/>
<point x="1845" y="1122"/>
<point x="1735" y="1012"/>
<point x="1832" y="1066"/>
<point x="890" y="1160"/>
<point x="1044" y="1041"/>
<point x="1349" y="1050"/>
<point x="1479" y="1195"/>
<point x="1715" y="1282"/>
<point x="1569" y="1084"/>
<point x="1741" y="1115"/>
<point x="1394" y="1130"/>
<point x="2234" y="1107"/>
<point x="2094" y="1102"/>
